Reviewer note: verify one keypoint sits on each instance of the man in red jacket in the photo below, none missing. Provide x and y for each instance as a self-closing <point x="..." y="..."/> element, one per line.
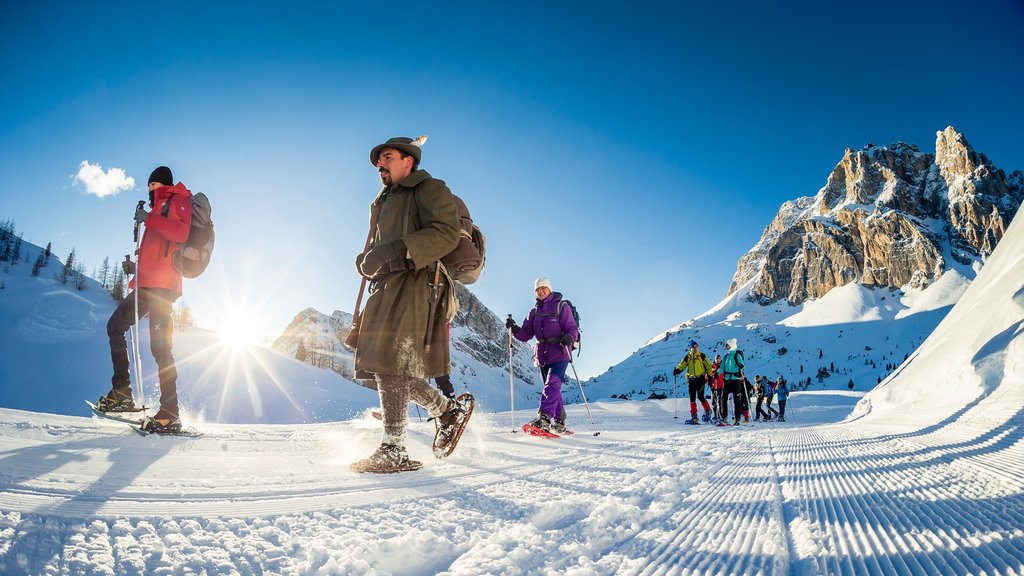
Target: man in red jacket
<point x="159" y="285"/>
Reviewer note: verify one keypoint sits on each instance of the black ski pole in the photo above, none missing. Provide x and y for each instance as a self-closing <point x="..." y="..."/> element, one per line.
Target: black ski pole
<point x="511" y="389"/>
<point x="675" y="393"/>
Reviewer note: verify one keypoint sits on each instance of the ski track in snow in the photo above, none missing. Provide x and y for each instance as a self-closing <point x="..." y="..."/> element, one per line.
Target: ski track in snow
<point x="646" y="497"/>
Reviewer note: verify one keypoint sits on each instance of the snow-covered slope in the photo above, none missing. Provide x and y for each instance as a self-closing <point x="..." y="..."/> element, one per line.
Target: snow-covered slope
<point x="971" y="368"/>
<point x="853" y="334"/>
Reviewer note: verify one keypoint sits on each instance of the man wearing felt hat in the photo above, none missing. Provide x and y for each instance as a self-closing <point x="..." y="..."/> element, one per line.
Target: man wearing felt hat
<point x="402" y="332"/>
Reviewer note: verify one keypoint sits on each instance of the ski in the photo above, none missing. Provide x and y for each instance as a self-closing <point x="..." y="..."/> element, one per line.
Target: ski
<point x="534" y="431"/>
<point x="117" y="416"/>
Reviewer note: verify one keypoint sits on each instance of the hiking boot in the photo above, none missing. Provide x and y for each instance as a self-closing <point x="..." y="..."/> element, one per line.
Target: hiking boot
<point x="451" y="424"/>
<point x="161" y="426"/>
<point x="780" y="419"/>
<point x="558" y="427"/>
<point x="736" y="422"/>
<point x="387" y="456"/>
<point x="705" y="417"/>
<point x="117" y="400"/>
<point x="542" y="423"/>
<point x="164" y="422"/>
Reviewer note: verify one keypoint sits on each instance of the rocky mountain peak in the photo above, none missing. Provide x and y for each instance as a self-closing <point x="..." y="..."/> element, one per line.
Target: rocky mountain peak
<point x="888" y="216"/>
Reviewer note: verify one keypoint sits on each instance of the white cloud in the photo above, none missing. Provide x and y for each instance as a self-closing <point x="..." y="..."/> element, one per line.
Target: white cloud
<point x="100" y="183"/>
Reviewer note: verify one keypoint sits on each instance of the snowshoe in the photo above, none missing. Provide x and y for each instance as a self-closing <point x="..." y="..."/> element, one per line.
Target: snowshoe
<point x="117" y="401"/>
<point x="721" y="423"/>
<point x="780" y="419"/>
<point x="451" y="424"/>
<point x="387" y="459"/>
<point x="692" y="420"/>
<point x="154" y="425"/>
<point x="134" y="417"/>
<point x="705" y="417"/>
<point x="531" y="429"/>
<point x="736" y="422"/>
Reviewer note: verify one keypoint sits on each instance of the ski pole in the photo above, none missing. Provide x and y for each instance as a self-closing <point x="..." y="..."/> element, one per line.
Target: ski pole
<point x="511" y="390"/>
<point x="675" y="393"/>
<point x="137" y="360"/>
<point x="746" y="396"/>
<point x="418" y="413"/>
<point x="582" y="393"/>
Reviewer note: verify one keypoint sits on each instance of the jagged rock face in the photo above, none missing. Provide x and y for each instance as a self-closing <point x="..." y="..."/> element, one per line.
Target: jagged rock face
<point x="874" y="222"/>
<point x="982" y="200"/>
<point x="487" y="339"/>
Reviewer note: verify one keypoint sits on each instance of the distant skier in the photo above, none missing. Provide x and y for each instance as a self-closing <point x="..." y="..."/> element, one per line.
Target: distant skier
<point x="698" y="371"/>
<point x="759" y="393"/>
<point x="782" y="393"/>
<point x="717" y="385"/>
<point x="158" y="284"/>
<point x="769" y="396"/>
<point x="732" y="370"/>
<point x="552" y="323"/>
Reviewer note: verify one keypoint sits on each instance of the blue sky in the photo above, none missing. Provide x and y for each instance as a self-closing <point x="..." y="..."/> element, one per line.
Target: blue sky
<point x="631" y="153"/>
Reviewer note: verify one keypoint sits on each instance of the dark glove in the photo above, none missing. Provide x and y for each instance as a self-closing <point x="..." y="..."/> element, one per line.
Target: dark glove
<point x="566" y="340"/>
<point x="676" y="371"/>
<point x="383" y="259"/>
<point x="128" y="266"/>
<point x="141" y="214"/>
<point x="510" y="324"/>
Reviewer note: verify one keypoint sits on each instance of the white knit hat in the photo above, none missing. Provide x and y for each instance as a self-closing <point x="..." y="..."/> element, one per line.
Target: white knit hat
<point x="542" y="281"/>
<point x="731" y="343"/>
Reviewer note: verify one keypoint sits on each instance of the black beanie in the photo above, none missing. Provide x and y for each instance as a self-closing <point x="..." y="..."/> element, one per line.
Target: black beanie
<point x="162" y="175"/>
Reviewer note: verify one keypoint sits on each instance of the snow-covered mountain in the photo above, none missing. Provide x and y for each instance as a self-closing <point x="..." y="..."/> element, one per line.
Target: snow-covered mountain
<point x="55" y="355"/>
<point x="844" y="285"/>
<point x="479" y="351"/>
<point x="887" y="217"/>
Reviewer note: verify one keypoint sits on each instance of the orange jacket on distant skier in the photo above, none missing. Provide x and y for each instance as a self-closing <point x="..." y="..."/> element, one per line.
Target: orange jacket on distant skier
<point x="163" y="238"/>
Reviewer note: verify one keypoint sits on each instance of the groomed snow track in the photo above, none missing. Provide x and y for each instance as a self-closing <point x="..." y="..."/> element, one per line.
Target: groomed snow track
<point x="648" y="496"/>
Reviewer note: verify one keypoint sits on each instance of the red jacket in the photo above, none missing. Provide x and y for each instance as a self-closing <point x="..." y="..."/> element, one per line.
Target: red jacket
<point x="163" y="237"/>
<point x="717" y="380"/>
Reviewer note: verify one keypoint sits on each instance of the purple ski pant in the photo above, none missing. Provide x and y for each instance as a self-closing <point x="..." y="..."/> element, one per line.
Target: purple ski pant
<point x="551" y="399"/>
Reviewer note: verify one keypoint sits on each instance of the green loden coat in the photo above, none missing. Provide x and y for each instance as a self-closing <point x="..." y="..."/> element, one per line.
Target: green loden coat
<point x="394" y="322"/>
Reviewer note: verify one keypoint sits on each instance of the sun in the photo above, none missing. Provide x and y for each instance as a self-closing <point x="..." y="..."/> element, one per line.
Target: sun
<point x="238" y="331"/>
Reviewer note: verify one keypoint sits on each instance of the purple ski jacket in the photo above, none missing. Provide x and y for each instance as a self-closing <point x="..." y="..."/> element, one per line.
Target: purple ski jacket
<point x="547" y="325"/>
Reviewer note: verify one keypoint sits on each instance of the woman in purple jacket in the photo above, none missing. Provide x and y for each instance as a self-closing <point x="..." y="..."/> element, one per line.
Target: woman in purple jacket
<point x="552" y="323"/>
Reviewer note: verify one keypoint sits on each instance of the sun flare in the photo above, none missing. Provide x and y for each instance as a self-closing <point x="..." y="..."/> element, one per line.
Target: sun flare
<point x="238" y="332"/>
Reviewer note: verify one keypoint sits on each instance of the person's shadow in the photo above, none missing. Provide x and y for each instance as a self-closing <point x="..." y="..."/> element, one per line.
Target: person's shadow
<point x="27" y="478"/>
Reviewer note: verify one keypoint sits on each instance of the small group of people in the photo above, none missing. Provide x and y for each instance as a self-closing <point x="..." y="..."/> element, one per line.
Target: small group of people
<point x="765" y="391"/>
<point x="726" y="377"/>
